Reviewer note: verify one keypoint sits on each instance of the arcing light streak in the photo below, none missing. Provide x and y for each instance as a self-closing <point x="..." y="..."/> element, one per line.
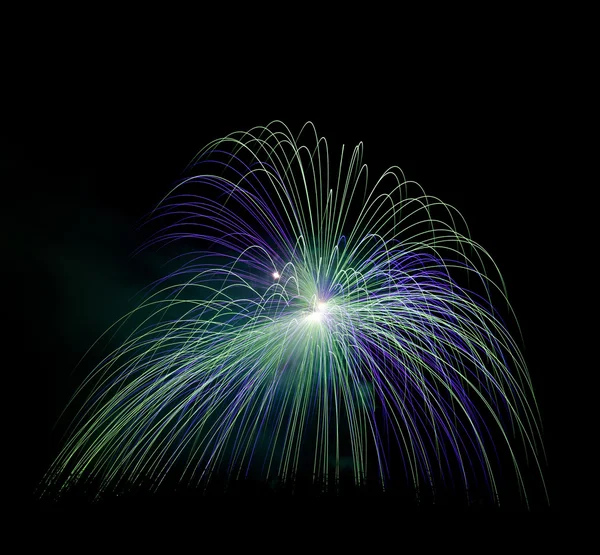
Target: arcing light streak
<point x="322" y="326"/>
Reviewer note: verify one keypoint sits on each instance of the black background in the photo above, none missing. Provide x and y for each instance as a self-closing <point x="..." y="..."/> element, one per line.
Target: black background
<point x="99" y="139"/>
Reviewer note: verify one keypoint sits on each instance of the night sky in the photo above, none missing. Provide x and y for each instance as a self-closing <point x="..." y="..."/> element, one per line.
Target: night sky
<point x="100" y="148"/>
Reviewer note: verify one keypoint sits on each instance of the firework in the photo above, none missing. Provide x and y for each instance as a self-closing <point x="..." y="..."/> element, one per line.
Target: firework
<point x="319" y="324"/>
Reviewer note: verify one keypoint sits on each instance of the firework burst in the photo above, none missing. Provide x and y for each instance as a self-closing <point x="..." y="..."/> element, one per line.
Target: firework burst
<point x="320" y="325"/>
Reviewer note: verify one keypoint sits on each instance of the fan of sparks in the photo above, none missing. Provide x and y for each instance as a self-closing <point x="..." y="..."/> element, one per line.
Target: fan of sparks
<point x="315" y="322"/>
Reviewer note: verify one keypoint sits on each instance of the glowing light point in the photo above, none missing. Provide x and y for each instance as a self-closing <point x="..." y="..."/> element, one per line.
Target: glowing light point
<point x="318" y="312"/>
<point x="315" y="316"/>
<point x="276" y="275"/>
